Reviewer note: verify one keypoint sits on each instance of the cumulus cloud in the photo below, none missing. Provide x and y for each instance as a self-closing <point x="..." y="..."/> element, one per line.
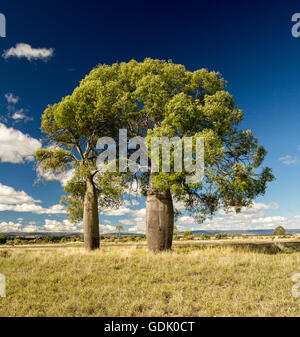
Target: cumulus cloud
<point x="20" y="201"/>
<point x="107" y="229"/>
<point x="288" y="160"/>
<point x="62" y="226"/>
<point x="24" y="50"/>
<point x="123" y="210"/>
<point x="30" y="229"/>
<point x="9" y="196"/>
<point x="254" y="217"/>
<point x="15" y="146"/>
<point x="136" y="221"/>
<point x="10" y="227"/>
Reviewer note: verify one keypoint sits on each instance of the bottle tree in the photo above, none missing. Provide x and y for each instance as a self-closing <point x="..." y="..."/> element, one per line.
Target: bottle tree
<point x="155" y="98"/>
<point x="169" y="101"/>
<point x="72" y="128"/>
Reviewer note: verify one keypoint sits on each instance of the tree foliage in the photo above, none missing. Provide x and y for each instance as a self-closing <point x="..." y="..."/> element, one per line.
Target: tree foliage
<point x="72" y="128"/>
<point x="279" y="230"/>
<point x="165" y="99"/>
<point x="156" y="98"/>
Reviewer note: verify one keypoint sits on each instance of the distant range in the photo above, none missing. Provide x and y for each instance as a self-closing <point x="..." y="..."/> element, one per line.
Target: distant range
<point x="211" y="232"/>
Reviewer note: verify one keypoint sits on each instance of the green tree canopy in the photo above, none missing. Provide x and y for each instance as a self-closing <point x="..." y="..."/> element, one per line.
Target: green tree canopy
<point x="279" y="230"/>
<point x="72" y="128"/>
<point x="162" y="99"/>
<point x="165" y="99"/>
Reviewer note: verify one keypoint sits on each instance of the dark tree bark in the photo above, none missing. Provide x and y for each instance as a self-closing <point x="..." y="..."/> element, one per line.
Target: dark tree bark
<point x="159" y="219"/>
<point x="91" y="217"/>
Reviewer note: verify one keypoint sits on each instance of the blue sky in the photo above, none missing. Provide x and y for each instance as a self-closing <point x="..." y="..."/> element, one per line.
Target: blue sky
<point x="249" y="42"/>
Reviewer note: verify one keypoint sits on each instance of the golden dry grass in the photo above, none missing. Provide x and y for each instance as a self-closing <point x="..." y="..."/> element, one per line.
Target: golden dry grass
<point x="129" y="281"/>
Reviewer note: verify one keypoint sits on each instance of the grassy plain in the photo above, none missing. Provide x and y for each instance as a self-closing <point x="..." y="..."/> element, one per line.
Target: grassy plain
<point x="129" y="281"/>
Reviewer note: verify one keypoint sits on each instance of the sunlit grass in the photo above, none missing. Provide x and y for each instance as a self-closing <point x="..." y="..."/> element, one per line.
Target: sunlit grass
<point x="129" y="281"/>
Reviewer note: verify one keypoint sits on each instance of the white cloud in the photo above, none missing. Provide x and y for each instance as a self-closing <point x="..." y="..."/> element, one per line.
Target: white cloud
<point x="179" y="206"/>
<point x="19" y="201"/>
<point x="24" y="50"/>
<point x="17" y="115"/>
<point x="20" y="115"/>
<point x="15" y="146"/>
<point x="137" y="221"/>
<point x="107" y="229"/>
<point x="117" y="212"/>
<point x="288" y="160"/>
<point x="11" y="98"/>
<point x="30" y="229"/>
<point x="32" y="208"/>
<point x="249" y="218"/>
<point x="55" y="209"/>
<point x="128" y="222"/>
<point x="9" y="196"/>
<point x="131" y="202"/>
<point x="9" y="227"/>
<point x="62" y="226"/>
<point x="185" y="220"/>
<point x="139" y="228"/>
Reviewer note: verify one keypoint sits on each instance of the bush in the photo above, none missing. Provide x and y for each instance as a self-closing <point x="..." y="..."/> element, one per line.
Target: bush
<point x="204" y="237"/>
<point x="187" y="234"/>
<point x="220" y="236"/>
<point x="3" y="239"/>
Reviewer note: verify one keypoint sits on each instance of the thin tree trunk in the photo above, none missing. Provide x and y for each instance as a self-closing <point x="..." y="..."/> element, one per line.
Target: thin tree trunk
<point x="90" y="217"/>
<point x="159" y="219"/>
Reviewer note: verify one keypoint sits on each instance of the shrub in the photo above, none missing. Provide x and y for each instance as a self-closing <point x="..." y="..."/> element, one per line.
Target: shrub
<point x="187" y="234"/>
<point x="204" y="237"/>
<point x="220" y="236"/>
<point x="3" y="239"/>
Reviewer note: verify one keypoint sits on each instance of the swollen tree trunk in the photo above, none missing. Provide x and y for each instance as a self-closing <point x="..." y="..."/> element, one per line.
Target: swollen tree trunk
<point x="90" y="217"/>
<point x="159" y="219"/>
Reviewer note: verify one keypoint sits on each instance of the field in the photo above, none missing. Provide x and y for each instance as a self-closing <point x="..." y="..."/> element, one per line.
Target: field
<point x="129" y="281"/>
